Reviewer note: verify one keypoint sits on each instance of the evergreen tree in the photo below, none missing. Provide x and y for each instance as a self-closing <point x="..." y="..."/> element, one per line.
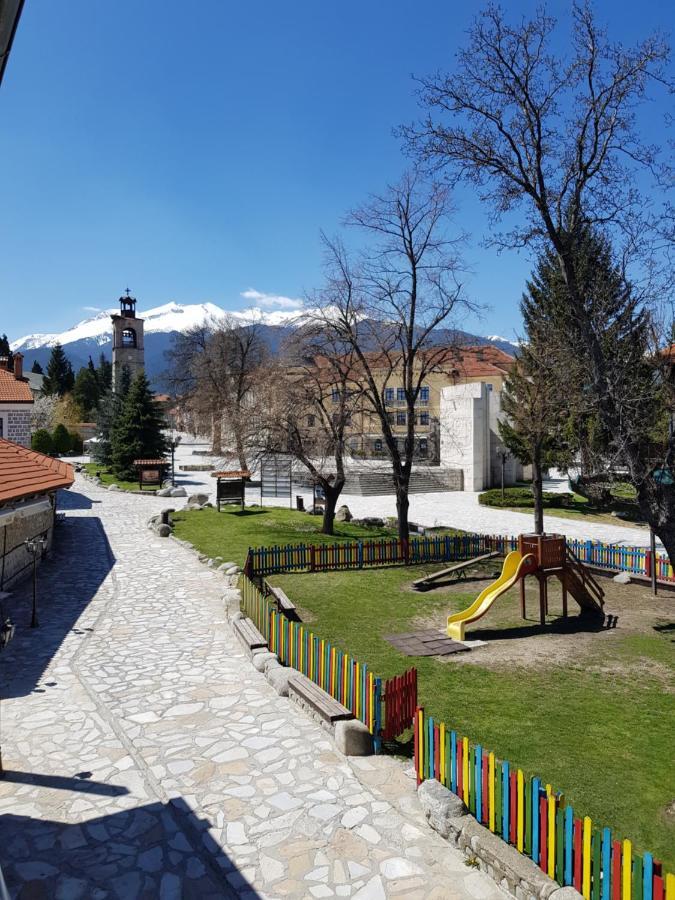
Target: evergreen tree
<point x="6" y="352"/>
<point x="36" y="368"/>
<point x="137" y="433"/>
<point x="62" y="441"/>
<point x="86" y="391"/>
<point x="109" y="408"/>
<point x="41" y="440"/>
<point x="59" y="378"/>
<point x="104" y="373"/>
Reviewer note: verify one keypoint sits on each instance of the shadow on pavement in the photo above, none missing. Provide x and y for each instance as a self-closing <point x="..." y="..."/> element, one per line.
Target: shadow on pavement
<point x="67" y="581"/>
<point x="71" y="499"/>
<point x="156" y="850"/>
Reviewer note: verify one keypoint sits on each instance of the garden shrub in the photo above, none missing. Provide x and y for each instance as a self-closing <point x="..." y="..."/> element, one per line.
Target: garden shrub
<point x="41" y="441"/>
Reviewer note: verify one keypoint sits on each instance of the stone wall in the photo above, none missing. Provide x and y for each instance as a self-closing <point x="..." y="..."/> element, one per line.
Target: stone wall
<point x="16" y="422"/>
<point x="15" y="560"/>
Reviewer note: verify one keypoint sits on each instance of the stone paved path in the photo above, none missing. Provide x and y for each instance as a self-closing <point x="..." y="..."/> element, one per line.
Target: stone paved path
<point x="146" y="757"/>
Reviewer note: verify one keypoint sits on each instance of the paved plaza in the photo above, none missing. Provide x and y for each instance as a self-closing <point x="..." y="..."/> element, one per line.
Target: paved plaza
<point x="457" y="509"/>
<point x="146" y="758"/>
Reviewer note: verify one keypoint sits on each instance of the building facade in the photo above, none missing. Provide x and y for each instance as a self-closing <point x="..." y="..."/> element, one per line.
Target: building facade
<point x="28" y="485"/>
<point x="16" y="402"/>
<point x="127" y="344"/>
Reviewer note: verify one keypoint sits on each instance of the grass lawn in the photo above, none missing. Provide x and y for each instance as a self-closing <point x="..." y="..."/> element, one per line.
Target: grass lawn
<point x="231" y="532"/>
<point x="591" y="712"/>
<point x="108" y="478"/>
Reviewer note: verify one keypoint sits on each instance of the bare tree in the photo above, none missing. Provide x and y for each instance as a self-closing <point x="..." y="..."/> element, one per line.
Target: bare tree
<point x="216" y="370"/>
<point x="310" y="415"/>
<point x="557" y="139"/>
<point x="384" y="303"/>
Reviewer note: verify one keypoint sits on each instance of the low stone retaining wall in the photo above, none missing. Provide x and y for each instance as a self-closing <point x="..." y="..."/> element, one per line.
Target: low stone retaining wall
<point x="515" y="873"/>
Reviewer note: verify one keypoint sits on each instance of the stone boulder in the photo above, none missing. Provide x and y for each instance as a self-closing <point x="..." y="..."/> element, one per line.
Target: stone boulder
<point x="178" y="492"/>
<point x="198" y="499"/>
<point x="165" y="492"/>
<point x="343" y="514"/>
<point x="113" y="487"/>
<point x="163" y="530"/>
<point x="225" y="566"/>
<point x="443" y="809"/>
<point x="622" y="578"/>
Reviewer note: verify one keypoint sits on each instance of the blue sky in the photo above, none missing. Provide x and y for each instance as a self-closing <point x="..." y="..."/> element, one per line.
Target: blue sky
<point x="194" y="151"/>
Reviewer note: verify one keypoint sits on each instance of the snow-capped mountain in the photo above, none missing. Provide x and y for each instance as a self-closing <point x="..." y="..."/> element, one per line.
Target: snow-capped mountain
<point x="93" y="336"/>
<point x="162" y="319"/>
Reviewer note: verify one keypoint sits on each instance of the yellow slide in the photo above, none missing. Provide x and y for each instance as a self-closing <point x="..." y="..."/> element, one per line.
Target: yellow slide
<point x="515" y="567"/>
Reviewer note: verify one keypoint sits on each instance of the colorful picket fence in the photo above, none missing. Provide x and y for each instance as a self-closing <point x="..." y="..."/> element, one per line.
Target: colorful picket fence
<point x="536" y="820"/>
<point x="386" y="709"/>
<point x="439" y="549"/>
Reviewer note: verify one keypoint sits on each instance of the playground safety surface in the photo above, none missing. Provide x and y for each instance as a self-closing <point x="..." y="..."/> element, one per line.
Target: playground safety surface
<point x="425" y="643"/>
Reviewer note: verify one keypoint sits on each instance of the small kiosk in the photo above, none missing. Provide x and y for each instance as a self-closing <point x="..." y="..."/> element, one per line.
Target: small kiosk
<point x="151" y="472"/>
<point x="231" y="487"/>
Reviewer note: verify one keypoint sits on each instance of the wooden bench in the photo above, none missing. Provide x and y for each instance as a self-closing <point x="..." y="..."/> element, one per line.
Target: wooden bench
<point x="319" y="701"/>
<point x="249" y="635"/>
<point x="285" y="604"/>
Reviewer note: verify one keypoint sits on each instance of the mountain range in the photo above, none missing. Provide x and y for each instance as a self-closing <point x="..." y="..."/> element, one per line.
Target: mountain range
<point x="93" y="336"/>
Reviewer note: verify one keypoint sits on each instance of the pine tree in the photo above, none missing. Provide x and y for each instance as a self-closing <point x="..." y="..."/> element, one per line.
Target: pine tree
<point x="59" y="378"/>
<point x="86" y="391"/>
<point x="104" y="373"/>
<point x="36" y="368"/>
<point x="6" y="352"/>
<point x="109" y="408"/>
<point x="137" y="433"/>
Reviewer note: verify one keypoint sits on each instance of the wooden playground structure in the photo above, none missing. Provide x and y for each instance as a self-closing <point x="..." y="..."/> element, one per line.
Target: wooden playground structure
<point x="554" y="558"/>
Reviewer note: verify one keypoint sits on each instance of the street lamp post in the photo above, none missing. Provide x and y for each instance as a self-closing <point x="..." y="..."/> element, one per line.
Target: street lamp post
<point x="173" y="443"/>
<point x="503" y="456"/>
<point x="34" y="546"/>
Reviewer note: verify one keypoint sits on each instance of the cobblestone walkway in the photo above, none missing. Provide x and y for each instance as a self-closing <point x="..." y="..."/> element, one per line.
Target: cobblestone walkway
<point x="146" y="757"/>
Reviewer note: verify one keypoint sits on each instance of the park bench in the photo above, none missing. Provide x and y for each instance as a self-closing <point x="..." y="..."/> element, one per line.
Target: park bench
<point x="285" y="604"/>
<point x="319" y="701"/>
<point x="249" y="635"/>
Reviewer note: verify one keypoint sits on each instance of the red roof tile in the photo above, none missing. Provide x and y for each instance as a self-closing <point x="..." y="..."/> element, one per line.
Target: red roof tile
<point x="12" y="390"/>
<point x="24" y="472"/>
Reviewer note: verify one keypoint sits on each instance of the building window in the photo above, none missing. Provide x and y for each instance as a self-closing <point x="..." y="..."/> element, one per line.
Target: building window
<point x="424" y="394"/>
<point x="424" y="447"/>
<point x="377" y="446"/>
<point x="128" y="337"/>
<point x="400" y="418"/>
<point x="390" y="418"/>
<point x="310" y="421"/>
<point x="388" y="395"/>
<point x="400" y="395"/>
<point x="2" y="427"/>
<point x="424" y="418"/>
<point x="335" y="395"/>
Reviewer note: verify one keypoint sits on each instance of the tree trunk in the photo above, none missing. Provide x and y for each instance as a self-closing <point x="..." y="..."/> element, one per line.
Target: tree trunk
<point x="332" y="493"/>
<point x="402" y="507"/>
<point x="657" y="505"/>
<point x="216" y="435"/>
<point x="241" y="452"/>
<point x="537" y="492"/>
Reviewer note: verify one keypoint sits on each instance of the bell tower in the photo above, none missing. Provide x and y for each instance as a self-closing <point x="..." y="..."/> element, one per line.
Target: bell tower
<point x="127" y="348"/>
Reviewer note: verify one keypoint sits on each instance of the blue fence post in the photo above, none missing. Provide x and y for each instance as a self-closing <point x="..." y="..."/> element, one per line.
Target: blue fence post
<point x="505" y="801"/>
<point x="569" y="841"/>
<point x="535" y="819"/>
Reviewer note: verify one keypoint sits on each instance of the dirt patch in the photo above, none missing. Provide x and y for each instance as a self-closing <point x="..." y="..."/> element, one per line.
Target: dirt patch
<point x="504" y="639"/>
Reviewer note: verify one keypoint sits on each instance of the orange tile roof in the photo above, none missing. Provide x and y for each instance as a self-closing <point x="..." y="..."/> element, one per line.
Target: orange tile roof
<point x="13" y="390"/>
<point x="24" y="472"/>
